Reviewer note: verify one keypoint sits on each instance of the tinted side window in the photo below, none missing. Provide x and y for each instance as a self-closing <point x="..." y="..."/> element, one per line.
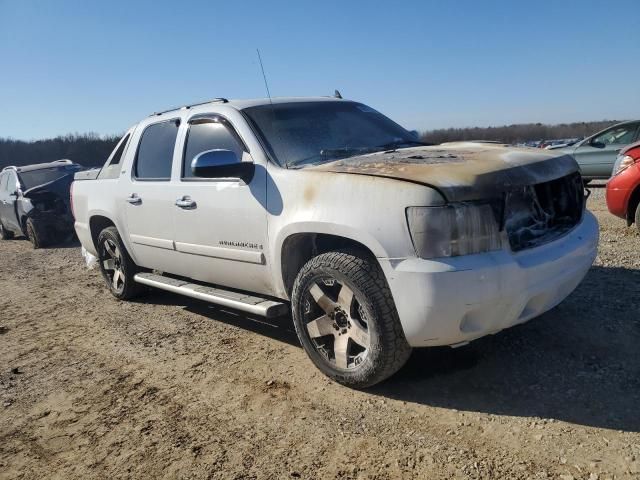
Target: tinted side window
<point x="117" y="155"/>
<point x="155" y="153"/>
<point x="617" y="136"/>
<point x="206" y="135"/>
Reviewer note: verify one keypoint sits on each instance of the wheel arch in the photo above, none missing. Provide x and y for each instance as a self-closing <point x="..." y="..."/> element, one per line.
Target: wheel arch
<point x="97" y="223"/>
<point x="634" y="202"/>
<point x="298" y="248"/>
<point x="23" y="223"/>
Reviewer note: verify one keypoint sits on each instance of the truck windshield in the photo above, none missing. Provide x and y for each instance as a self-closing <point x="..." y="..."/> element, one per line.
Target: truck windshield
<point x="34" y="178"/>
<point x="302" y="133"/>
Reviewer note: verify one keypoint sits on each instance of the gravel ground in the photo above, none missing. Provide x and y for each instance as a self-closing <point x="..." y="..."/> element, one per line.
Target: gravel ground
<point x="167" y="387"/>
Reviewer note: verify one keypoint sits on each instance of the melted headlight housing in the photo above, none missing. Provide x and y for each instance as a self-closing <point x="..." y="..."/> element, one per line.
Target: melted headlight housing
<point x="453" y="230"/>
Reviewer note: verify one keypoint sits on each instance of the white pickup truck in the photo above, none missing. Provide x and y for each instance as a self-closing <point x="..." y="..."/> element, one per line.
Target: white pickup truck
<point x="376" y="242"/>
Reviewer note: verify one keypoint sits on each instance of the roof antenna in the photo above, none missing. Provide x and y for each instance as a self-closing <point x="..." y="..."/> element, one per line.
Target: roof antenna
<point x="264" y="76"/>
<point x="337" y="94"/>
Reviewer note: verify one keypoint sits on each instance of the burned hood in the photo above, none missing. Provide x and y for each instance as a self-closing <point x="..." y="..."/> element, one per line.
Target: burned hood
<point x="465" y="171"/>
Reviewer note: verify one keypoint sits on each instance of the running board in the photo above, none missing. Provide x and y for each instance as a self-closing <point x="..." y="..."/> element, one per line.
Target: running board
<point x="239" y="301"/>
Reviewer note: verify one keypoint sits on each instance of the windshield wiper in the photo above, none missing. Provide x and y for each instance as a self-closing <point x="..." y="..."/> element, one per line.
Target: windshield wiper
<point x="400" y="144"/>
<point x="330" y="154"/>
<point x="344" y="152"/>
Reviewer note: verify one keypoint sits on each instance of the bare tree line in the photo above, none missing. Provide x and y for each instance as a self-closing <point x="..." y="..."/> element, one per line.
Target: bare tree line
<point x="520" y="133"/>
<point x="92" y="150"/>
<point x="89" y="149"/>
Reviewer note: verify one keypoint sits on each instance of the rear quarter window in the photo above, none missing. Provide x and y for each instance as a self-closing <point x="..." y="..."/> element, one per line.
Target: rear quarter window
<point x="112" y="167"/>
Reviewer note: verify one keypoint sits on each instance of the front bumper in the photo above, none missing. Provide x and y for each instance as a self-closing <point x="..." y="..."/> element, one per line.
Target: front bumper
<point x="454" y="300"/>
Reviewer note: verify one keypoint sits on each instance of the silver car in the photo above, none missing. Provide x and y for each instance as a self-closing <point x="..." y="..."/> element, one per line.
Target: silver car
<point x="597" y="154"/>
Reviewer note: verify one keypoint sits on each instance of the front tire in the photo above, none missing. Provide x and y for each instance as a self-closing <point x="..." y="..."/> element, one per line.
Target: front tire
<point x="346" y="319"/>
<point x="36" y="236"/>
<point x="4" y="233"/>
<point x="116" y="266"/>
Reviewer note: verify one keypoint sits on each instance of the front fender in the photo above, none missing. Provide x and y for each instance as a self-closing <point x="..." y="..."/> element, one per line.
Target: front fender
<point x="315" y="227"/>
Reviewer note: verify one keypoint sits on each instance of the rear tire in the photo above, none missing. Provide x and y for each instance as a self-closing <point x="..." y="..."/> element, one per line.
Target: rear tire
<point x="116" y="266"/>
<point x="36" y="236"/>
<point x="346" y="320"/>
<point x="4" y="233"/>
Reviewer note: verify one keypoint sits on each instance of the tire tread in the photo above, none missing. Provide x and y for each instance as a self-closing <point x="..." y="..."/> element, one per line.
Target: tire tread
<point x="368" y="276"/>
<point x="132" y="289"/>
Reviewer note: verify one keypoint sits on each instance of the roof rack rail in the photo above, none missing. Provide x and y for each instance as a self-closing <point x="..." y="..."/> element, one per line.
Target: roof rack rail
<point x="10" y="167"/>
<point x="187" y="107"/>
<point x="63" y="160"/>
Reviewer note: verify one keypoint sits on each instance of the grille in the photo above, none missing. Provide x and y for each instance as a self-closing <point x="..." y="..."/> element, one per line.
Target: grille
<point x="538" y="214"/>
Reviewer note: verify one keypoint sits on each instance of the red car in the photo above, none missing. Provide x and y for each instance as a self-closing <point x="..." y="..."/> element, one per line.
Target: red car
<point x="623" y="189"/>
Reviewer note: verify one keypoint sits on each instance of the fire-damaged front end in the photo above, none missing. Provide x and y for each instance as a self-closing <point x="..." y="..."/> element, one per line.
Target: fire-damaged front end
<point x="510" y="240"/>
<point x="48" y="207"/>
<point x="540" y="213"/>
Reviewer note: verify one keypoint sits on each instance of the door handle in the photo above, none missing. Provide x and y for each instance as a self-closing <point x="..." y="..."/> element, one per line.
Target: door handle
<point x="186" y="202"/>
<point x="134" y="199"/>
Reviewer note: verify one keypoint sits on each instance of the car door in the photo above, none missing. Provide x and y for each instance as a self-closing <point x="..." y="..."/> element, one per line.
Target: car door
<point x="145" y="196"/>
<point x="220" y="223"/>
<point x="8" y="197"/>
<point x="596" y="155"/>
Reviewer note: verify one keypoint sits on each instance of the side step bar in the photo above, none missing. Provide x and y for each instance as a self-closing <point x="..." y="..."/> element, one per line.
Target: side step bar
<point x="239" y="301"/>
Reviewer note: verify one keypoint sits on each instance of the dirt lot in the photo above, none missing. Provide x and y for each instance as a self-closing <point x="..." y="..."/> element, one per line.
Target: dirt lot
<point x="173" y="388"/>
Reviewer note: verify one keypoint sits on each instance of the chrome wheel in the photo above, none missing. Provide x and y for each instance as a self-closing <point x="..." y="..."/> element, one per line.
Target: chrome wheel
<point x="336" y="323"/>
<point x="112" y="264"/>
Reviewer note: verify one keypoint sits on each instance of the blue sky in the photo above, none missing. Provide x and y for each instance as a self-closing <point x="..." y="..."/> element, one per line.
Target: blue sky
<point x="79" y="66"/>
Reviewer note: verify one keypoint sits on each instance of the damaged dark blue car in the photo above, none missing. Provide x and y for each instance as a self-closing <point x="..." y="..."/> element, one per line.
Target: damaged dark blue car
<point x="34" y="202"/>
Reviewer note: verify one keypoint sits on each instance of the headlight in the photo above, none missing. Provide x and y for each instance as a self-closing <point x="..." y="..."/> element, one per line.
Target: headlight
<point x="623" y="164"/>
<point x="453" y="230"/>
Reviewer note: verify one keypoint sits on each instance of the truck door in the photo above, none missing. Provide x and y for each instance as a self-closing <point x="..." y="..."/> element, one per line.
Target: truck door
<point x="220" y="223"/>
<point x="146" y="197"/>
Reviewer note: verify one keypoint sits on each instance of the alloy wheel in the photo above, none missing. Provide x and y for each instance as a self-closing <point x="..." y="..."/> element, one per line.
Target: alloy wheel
<point x="112" y="264"/>
<point x="336" y="323"/>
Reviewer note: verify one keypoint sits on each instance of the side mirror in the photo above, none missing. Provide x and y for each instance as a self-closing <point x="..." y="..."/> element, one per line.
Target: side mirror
<point x="221" y="164"/>
<point x="598" y="144"/>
